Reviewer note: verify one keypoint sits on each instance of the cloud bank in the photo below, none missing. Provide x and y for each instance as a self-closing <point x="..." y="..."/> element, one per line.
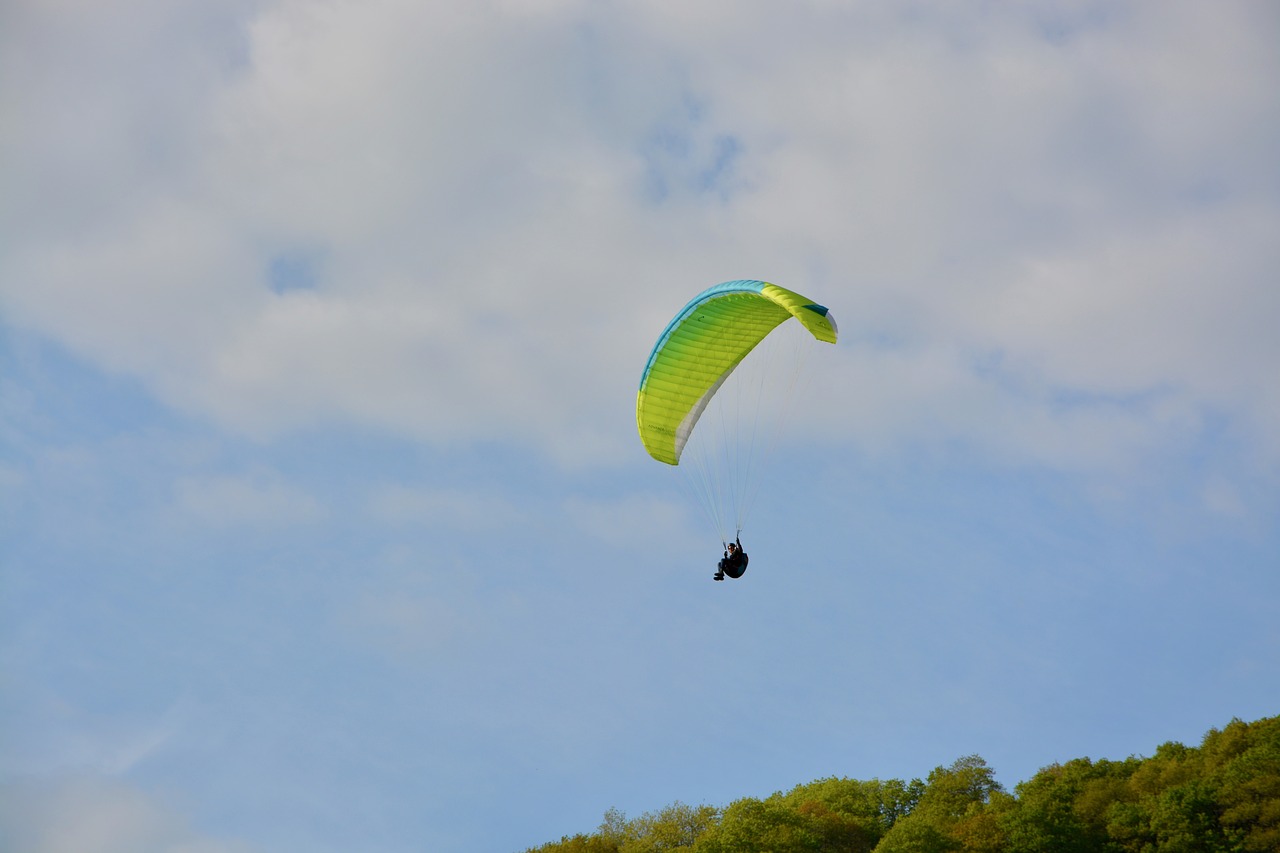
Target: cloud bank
<point x="1047" y="233"/>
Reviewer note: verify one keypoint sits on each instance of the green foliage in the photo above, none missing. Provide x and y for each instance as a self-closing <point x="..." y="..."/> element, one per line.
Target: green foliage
<point x="781" y="826"/>
<point x="1065" y="807"/>
<point x="917" y="834"/>
<point x="954" y="792"/>
<point x="577" y="844"/>
<point x="951" y="812"/>
<point x="670" y="830"/>
<point x="675" y="828"/>
<point x="1222" y="796"/>
<point x="876" y="804"/>
<point x="1244" y="762"/>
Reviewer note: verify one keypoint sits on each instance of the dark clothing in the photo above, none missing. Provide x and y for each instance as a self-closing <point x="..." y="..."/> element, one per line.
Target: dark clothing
<point x="735" y="563"/>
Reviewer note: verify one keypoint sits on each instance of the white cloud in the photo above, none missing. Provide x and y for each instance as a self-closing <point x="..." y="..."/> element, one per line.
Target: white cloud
<point x="58" y="734"/>
<point x="617" y="520"/>
<point x="405" y="624"/>
<point x="502" y="204"/>
<point x="442" y="509"/>
<point x="97" y="815"/>
<point x="12" y="481"/>
<point x="261" y="498"/>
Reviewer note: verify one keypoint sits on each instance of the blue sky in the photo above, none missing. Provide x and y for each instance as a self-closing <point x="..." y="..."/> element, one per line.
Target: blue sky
<point x="324" y="521"/>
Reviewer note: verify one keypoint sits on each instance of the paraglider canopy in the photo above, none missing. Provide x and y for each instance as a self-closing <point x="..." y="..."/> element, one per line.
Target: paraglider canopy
<point x="699" y="349"/>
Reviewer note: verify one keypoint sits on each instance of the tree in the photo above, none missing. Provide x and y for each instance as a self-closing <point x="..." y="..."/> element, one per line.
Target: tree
<point x="577" y="844"/>
<point x="1221" y="796"/>
<point x="674" y="828"/>
<point x="917" y="834"/>
<point x="1244" y="762"/>
<point x="950" y="812"/>
<point x="1065" y="807"/>
<point x="952" y="792"/>
<point x="781" y="826"/>
<point x="875" y="804"/>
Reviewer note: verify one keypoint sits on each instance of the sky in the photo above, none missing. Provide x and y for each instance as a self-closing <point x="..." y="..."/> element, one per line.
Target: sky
<point x="324" y="523"/>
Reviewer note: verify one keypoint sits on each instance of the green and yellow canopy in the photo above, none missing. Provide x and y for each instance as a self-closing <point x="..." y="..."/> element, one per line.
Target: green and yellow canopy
<point x="701" y="347"/>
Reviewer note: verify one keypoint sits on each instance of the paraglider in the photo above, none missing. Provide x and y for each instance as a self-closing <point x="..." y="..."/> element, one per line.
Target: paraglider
<point x="695" y="356"/>
<point x="734" y="562"/>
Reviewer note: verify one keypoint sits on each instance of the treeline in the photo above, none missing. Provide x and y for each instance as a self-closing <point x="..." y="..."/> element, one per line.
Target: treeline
<point x="1222" y="796"/>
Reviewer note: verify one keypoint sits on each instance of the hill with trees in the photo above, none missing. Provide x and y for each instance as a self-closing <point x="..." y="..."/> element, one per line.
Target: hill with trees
<point x="1221" y="796"/>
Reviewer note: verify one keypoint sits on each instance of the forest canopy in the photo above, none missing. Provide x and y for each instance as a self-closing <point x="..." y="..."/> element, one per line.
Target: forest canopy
<point x="1221" y="796"/>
